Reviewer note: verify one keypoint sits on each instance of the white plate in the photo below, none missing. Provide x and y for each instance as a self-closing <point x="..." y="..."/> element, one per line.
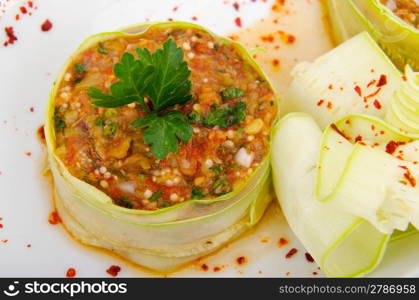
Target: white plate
<point x="28" y="69"/>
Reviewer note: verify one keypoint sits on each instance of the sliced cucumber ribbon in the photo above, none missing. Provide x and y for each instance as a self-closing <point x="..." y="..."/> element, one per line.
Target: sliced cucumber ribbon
<point x="399" y="39"/>
<point x="341" y="192"/>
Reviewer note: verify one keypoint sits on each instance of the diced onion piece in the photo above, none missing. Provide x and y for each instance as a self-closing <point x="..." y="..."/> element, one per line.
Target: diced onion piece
<point x="244" y="158"/>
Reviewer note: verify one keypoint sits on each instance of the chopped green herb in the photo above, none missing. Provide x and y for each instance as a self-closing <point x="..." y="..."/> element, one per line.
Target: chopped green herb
<point x="124" y="202"/>
<point x="194" y="117"/>
<point x="197" y="193"/>
<point x="78" y="80"/>
<point x="232" y="93"/>
<point x="216" y="46"/>
<point x="155" y="196"/>
<point x="216" y="169"/>
<point x="164" y="203"/>
<point x="162" y="77"/>
<point x="226" y="117"/>
<point x="80" y="68"/>
<point x="101" y="49"/>
<point x="110" y="128"/>
<point x="221" y="185"/>
<point x="58" y="121"/>
<point x="111" y="112"/>
<point x="100" y="122"/>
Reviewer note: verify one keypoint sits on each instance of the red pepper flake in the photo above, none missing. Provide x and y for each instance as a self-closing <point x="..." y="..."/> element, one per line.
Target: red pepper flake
<point x="358" y="90"/>
<point x="275" y="62"/>
<point x="358" y="139"/>
<point x="70" y="273"/>
<point x="372" y="70"/>
<point x="23" y="10"/>
<point x="54" y="218"/>
<point x="170" y="19"/>
<point x="409" y="176"/>
<point x="1" y="226"/>
<point x="10" y="35"/>
<point x="320" y="102"/>
<point x="241" y="260"/>
<point x="28" y="246"/>
<point x="41" y="134"/>
<point x="17" y="17"/>
<point x="265" y="239"/>
<point x="373" y="127"/>
<point x="371" y="82"/>
<point x="4" y="241"/>
<point x="46" y="26"/>
<point x="287" y="274"/>
<point x="290" y="39"/>
<point x="216" y="269"/>
<point x="238" y="22"/>
<point x="204" y="267"/>
<point x="329" y="105"/>
<point x="30" y="3"/>
<point x="377" y="104"/>
<point x="282" y="242"/>
<point x="236" y="6"/>
<point x="315" y="273"/>
<point x="31" y="109"/>
<point x="291" y="253"/>
<point x="330" y="86"/>
<point x="334" y="127"/>
<point x="404" y="78"/>
<point x="113" y="270"/>
<point x="392" y="146"/>
<point x="309" y="257"/>
<point x="382" y="81"/>
<point x="28" y="153"/>
<point x="268" y="38"/>
<point x="373" y="94"/>
<point x="175" y="8"/>
<point x="194" y="18"/>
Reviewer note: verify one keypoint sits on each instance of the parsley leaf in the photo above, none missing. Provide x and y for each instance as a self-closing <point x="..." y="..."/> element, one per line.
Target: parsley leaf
<point x="226" y="117"/>
<point x="163" y="131"/>
<point x="134" y="78"/>
<point x="170" y="84"/>
<point x="102" y="49"/>
<point x="162" y="76"/>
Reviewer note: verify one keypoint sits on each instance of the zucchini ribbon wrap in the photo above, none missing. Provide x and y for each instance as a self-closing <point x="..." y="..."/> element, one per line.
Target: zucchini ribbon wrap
<point x="346" y="175"/>
<point x="160" y="239"/>
<point x="399" y="39"/>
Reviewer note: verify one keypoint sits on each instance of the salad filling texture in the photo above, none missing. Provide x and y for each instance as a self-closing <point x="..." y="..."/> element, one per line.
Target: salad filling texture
<point x="162" y="149"/>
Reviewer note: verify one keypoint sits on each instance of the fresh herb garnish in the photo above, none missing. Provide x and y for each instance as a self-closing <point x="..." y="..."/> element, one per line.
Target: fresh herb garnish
<point x="162" y="77"/>
<point x="80" y="68"/>
<point x="194" y="117"/>
<point x="109" y="113"/>
<point x="110" y="128"/>
<point x="124" y="202"/>
<point x="101" y="49"/>
<point x="232" y="93"/>
<point x="163" y="131"/>
<point x="197" y="193"/>
<point x="58" y="121"/>
<point x="155" y="196"/>
<point x="216" y="169"/>
<point x="100" y="122"/>
<point x="78" y="80"/>
<point x="226" y="117"/>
